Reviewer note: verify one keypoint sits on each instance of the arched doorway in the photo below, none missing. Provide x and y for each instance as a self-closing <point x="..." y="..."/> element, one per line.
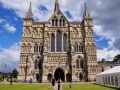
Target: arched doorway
<point x="68" y="76"/>
<point x="49" y="77"/>
<point x="80" y="76"/>
<point x="37" y="77"/>
<point x="59" y="73"/>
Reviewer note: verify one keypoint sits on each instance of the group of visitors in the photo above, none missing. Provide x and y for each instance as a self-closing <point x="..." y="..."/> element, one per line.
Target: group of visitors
<point x="59" y="81"/>
<point x="30" y="80"/>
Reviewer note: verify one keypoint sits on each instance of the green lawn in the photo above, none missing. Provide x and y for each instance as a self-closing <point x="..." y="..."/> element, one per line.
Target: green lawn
<point x="48" y="87"/>
<point x="25" y="87"/>
<point x="86" y="87"/>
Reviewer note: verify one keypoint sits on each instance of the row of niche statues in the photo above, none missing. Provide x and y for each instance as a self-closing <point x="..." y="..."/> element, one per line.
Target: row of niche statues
<point x="34" y="33"/>
<point x="22" y="70"/>
<point x="55" y="59"/>
<point x="92" y="68"/>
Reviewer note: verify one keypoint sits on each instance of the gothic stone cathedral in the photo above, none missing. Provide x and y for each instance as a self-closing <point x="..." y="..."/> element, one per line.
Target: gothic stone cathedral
<point x="57" y="48"/>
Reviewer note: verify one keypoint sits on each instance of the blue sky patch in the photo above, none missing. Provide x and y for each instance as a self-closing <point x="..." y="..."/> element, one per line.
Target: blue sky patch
<point x="68" y="14"/>
<point x="6" y="37"/>
<point x="43" y="8"/>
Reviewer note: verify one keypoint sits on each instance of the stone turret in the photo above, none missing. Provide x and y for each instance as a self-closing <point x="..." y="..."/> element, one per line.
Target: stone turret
<point x="56" y="6"/>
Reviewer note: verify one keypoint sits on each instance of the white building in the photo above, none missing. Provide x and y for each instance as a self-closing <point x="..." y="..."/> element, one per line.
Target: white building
<point x="109" y="77"/>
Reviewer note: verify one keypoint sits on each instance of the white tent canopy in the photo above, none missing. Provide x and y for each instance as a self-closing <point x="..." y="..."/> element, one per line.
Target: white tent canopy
<point x="109" y="77"/>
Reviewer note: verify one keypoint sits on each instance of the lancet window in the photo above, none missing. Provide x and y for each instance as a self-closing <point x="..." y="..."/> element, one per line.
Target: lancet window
<point x="78" y="48"/>
<point x="38" y="48"/>
<point x="52" y="43"/>
<point x="64" y="43"/>
<point x="79" y="64"/>
<point x="59" y="42"/>
<point x="38" y="64"/>
<point x="58" y="22"/>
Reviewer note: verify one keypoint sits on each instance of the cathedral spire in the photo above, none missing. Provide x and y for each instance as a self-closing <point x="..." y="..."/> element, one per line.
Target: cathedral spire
<point x="56" y="6"/>
<point x="29" y="13"/>
<point x="86" y="13"/>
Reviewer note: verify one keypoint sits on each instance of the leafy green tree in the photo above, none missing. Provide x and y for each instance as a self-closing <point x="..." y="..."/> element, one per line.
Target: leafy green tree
<point x="14" y="73"/>
<point x="1" y="76"/>
<point x="116" y="58"/>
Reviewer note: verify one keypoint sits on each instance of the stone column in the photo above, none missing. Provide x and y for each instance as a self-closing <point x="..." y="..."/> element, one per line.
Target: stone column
<point x="78" y="77"/>
<point x="55" y="41"/>
<point x="50" y="44"/>
<point x="62" y="43"/>
<point x="65" y="77"/>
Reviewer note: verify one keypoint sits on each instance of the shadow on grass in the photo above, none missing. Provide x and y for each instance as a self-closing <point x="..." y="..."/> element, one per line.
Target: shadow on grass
<point x="107" y="86"/>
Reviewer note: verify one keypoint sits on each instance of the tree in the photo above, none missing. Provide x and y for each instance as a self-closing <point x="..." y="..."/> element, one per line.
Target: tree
<point x="1" y="76"/>
<point x="14" y="73"/>
<point x="116" y="58"/>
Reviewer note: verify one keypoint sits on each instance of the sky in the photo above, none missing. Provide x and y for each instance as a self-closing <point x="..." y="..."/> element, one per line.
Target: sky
<point x="105" y="14"/>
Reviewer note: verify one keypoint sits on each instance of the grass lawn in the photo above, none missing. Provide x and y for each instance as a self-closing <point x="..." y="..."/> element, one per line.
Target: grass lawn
<point x="86" y="87"/>
<point x="25" y="87"/>
<point x="48" y="87"/>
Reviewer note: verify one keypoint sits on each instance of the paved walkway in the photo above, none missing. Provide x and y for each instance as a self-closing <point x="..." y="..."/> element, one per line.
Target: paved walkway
<point x="56" y="87"/>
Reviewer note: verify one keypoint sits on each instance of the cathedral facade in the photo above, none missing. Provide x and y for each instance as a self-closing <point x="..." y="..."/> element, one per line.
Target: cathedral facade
<point x="57" y="48"/>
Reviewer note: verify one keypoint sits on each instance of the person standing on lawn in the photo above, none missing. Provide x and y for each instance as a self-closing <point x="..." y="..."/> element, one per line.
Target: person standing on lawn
<point x="53" y="82"/>
<point x="11" y="81"/>
<point x="70" y="82"/>
<point x="59" y="83"/>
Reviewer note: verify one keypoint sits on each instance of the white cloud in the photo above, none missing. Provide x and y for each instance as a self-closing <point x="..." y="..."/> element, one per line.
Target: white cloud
<point x="9" y="28"/>
<point x="21" y="7"/>
<point x="2" y="20"/>
<point x="16" y="19"/>
<point x="107" y="54"/>
<point x="99" y="30"/>
<point x="10" y="57"/>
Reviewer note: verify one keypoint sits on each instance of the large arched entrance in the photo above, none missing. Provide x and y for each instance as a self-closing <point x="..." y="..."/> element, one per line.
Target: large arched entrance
<point x="68" y="77"/>
<point x="37" y="77"/>
<point x="49" y="77"/>
<point x="59" y="73"/>
<point x="80" y="76"/>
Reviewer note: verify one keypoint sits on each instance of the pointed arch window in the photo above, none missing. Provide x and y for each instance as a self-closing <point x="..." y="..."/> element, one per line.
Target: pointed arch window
<point x="56" y="23"/>
<point x="36" y="48"/>
<point x="81" y="64"/>
<point x="60" y="22"/>
<point x="63" y="22"/>
<point x="82" y="49"/>
<point x="79" y="48"/>
<point x="64" y="43"/>
<point x="77" y="64"/>
<point x="58" y="42"/>
<point x="52" y="43"/>
<point x="52" y="22"/>
<point x="36" y="64"/>
<point x="40" y="64"/>
<point x="41" y="48"/>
